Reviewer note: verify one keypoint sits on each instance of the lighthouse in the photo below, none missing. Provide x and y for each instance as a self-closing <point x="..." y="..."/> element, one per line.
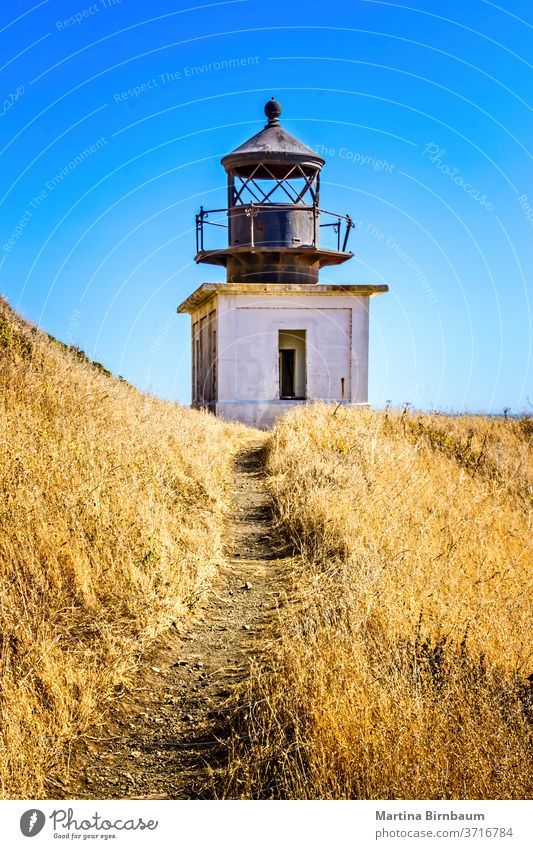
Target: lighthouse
<point x="271" y="336"/>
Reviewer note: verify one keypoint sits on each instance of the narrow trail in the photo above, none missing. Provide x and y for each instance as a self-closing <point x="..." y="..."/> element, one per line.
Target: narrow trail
<point x="165" y="737"/>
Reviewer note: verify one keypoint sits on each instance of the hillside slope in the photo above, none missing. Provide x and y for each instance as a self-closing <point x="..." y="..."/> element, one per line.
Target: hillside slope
<point x="110" y="521"/>
<point x="391" y="657"/>
<point x="405" y="670"/>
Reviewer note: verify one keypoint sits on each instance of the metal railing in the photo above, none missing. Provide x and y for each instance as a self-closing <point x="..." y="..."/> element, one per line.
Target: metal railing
<point x="342" y="225"/>
<point x="337" y="227"/>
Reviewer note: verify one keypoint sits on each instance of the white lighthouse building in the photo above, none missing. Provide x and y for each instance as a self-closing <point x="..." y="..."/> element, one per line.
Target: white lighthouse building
<point x="271" y="336"/>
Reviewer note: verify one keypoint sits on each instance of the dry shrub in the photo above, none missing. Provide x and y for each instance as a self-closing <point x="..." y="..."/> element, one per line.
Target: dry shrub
<point x="403" y="671"/>
<point x="110" y="520"/>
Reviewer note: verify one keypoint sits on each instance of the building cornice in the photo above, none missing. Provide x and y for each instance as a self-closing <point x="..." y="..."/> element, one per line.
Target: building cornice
<point x="207" y="291"/>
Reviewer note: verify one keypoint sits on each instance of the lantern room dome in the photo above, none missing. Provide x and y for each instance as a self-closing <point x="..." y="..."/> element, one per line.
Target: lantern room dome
<point x="275" y="148"/>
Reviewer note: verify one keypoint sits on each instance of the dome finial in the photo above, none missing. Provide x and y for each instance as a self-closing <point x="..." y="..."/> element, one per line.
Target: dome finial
<point x="272" y="111"/>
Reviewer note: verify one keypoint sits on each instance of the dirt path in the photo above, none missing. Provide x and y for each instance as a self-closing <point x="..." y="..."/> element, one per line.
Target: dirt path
<point x="165" y="737"/>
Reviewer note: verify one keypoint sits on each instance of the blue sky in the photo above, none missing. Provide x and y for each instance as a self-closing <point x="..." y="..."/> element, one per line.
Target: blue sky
<point x="115" y="116"/>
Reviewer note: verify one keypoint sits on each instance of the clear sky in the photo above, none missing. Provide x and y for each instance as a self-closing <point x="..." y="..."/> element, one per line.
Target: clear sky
<point x="115" y="116"/>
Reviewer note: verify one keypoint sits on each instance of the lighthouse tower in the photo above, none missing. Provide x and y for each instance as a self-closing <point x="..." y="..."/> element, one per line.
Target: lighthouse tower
<point x="271" y="336"/>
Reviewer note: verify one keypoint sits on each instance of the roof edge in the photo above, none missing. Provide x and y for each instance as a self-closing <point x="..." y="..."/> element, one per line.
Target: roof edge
<point x="206" y="291"/>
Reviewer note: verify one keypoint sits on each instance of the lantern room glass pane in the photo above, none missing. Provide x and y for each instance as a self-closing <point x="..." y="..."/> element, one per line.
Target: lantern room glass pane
<point x="288" y="184"/>
<point x="267" y="191"/>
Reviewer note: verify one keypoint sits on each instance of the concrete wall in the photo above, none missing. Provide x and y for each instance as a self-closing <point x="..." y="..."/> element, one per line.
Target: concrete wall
<point x="260" y="414"/>
<point x="204" y="355"/>
<point x="236" y="340"/>
<point x="336" y="342"/>
<point x="248" y="326"/>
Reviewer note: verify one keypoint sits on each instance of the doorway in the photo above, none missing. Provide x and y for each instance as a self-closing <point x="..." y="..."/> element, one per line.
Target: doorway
<point x="292" y="377"/>
<point x="286" y="373"/>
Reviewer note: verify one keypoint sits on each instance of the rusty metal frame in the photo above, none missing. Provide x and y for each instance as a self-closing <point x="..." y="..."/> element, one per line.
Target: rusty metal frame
<point x="295" y="198"/>
<point x="201" y="219"/>
<point x="250" y="210"/>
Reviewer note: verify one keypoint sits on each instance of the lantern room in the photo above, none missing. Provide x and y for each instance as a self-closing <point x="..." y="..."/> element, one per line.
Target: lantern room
<point x="273" y="218"/>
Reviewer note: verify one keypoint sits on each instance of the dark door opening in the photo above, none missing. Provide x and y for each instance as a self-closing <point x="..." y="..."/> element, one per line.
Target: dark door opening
<point x="286" y="372"/>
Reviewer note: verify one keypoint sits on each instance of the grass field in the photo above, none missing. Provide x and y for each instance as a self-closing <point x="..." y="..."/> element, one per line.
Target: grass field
<point x="404" y="667"/>
<point x="110" y="523"/>
<point x="399" y="666"/>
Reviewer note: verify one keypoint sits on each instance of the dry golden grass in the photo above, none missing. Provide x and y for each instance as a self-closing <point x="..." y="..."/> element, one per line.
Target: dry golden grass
<point x="402" y="671"/>
<point x="403" y="668"/>
<point x="110" y="521"/>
